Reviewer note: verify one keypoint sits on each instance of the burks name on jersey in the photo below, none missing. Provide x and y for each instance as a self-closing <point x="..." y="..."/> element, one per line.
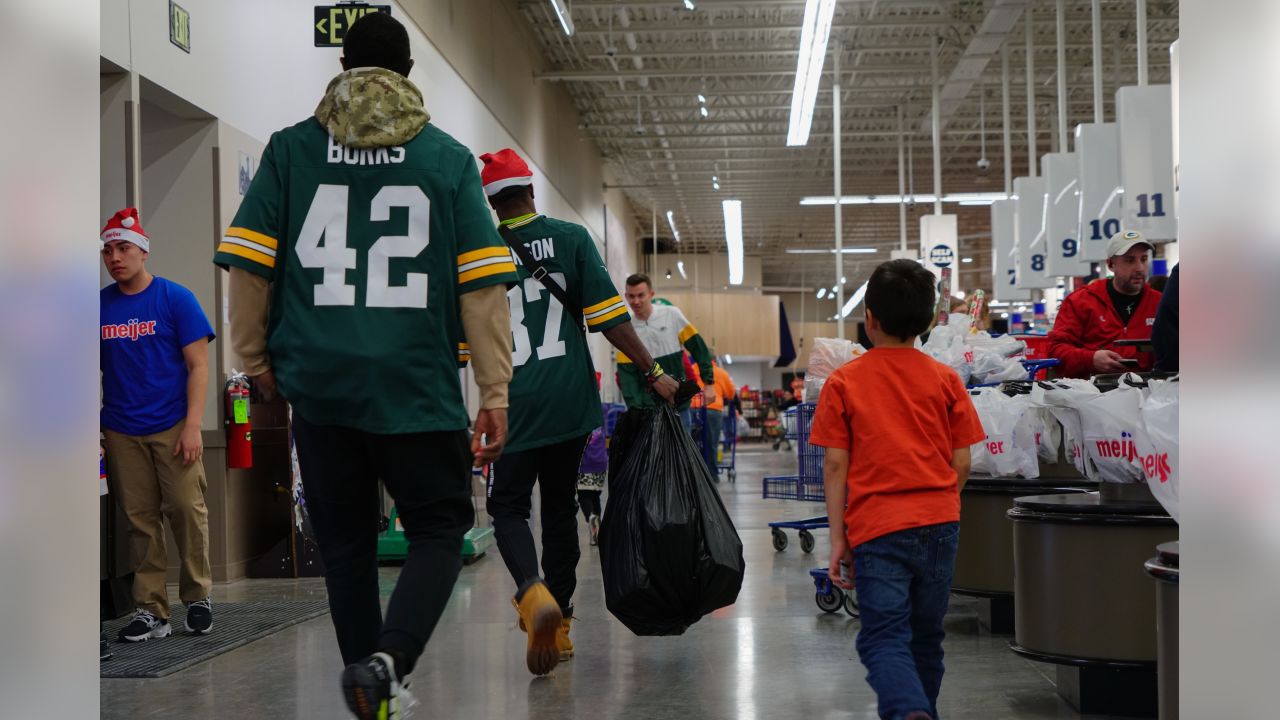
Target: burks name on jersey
<point x="342" y="155"/>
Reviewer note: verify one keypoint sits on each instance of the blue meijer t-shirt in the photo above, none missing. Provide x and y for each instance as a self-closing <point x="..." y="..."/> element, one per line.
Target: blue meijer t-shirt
<point x="144" y="377"/>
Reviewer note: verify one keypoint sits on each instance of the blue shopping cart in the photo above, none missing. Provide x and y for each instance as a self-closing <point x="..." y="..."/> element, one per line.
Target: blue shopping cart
<point x="806" y="485"/>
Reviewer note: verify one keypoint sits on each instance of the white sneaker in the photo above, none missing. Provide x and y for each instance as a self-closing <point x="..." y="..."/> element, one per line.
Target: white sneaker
<point x="145" y="626"/>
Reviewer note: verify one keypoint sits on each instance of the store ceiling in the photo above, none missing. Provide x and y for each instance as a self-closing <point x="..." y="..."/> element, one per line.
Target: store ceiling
<point x="635" y="69"/>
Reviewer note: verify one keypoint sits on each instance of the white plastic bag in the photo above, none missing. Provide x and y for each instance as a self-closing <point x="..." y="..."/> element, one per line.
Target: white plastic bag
<point x="1048" y="432"/>
<point x="989" y="367"/>
<point x="827" y="356"/>
<point x="946" y="345"/>
<point x="1156" y="443"/>
<point x="1110" y="421"/>
<point x="1009" y="449"/>
<point x="1061" y="397"/>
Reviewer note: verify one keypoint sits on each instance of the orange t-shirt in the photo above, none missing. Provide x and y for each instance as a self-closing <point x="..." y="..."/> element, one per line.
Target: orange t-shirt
<point x="900" y="414"/>
<point x="724" y="388"/>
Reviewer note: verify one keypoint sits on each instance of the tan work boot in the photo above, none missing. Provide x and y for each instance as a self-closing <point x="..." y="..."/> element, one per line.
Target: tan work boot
<point x="540" y="617"/>
<point x="563" y="643"/>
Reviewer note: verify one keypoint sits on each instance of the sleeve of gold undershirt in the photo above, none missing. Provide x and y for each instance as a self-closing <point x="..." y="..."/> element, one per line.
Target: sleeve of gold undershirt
<point x="486" y="320"/>
<point x="247" y="308"/>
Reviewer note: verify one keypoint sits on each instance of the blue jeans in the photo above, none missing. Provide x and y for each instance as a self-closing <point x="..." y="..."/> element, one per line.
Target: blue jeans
<point x="715" y="423"/>
<point x="903" y="582"/>
<point x="686" y="419"/>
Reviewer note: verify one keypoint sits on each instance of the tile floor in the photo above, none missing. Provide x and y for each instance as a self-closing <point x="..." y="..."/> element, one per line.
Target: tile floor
<point x="772" y="655"/>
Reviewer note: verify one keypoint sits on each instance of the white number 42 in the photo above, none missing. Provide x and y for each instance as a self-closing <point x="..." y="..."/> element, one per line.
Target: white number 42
<point x="327" y="221"/>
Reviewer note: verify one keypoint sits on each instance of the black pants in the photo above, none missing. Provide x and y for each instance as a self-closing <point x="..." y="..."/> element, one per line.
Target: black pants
<point x="555" y="469"/>
<point x="429" y="477"/>
<point x="589" y="501"/>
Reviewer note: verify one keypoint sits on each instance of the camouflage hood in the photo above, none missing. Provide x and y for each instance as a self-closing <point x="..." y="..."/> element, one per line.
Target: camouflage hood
<point x="371" y="107"/>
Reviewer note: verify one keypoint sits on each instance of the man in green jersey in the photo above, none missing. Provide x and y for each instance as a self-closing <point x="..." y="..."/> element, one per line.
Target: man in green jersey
<point x="361" y="253"/>
<point x="555" y="403"/>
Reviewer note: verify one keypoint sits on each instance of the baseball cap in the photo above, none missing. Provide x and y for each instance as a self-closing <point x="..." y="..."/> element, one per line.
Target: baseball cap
<point x="1123" y="241"/>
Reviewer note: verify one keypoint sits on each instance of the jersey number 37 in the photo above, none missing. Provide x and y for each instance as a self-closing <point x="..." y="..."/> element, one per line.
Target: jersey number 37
<point x="327" y="221"/>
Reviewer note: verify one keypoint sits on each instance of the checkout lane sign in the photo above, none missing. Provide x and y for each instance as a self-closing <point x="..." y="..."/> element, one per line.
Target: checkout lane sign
<point x="942" y="256"/>
<point x="333" y="21"/>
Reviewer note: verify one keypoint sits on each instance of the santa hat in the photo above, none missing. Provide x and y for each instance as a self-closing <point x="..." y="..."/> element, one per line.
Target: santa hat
<point x="502" y="170"/>
<point x="125" y="225"/>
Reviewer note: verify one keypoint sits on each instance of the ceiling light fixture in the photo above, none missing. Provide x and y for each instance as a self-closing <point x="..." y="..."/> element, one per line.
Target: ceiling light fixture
<point x="966" y="260"/>
<point x="728" y="359"/>
<point x="703" y="110"/>
<point x="813" y="52"/>
<point x="853" y="301"/>
<point x="562" y="14"/>
<point x="671" y="223"/>
<point x="680" y="267"/>
<point x="822" y="292"/>
<point x="733" y="238"/>
<point x="688" y="5"/>
<point x="961" y="198"/>
<point x="831" y="251"/>
<point x="715" y="182"/>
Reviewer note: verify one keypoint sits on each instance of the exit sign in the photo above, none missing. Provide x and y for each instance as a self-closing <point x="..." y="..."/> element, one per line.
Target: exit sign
<point x="179" y="26"/>
<point x="333" y="21"/>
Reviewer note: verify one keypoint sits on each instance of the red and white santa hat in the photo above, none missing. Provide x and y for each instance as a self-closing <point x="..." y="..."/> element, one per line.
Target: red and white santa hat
<point x="502" y="170"/>
<point x="125" y="225"/>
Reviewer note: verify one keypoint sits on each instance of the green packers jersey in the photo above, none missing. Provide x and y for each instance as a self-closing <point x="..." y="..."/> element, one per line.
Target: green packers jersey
<point x="368" y="252"/>
<point x="553" y="392"/>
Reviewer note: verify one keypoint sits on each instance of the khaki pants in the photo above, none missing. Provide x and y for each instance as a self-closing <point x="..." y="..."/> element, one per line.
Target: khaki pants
<point x="151" y="485"/>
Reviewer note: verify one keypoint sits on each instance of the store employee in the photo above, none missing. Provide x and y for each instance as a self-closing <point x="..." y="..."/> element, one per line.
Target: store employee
<point x="1094" y="317"/>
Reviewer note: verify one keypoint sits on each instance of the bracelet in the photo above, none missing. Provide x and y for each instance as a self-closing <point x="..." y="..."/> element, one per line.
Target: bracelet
<point x="654" y="373"/>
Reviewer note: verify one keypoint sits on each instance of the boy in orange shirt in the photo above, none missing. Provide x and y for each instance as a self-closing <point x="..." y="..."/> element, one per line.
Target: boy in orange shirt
<point x="897" y="426"/>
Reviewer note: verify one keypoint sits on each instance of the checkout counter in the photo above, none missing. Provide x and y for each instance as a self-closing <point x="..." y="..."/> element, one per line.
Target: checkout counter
<point x="984" y="561"/>
<point x="1081" y="599"/>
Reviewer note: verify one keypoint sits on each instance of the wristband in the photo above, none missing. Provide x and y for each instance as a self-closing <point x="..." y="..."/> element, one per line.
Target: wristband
<point x="654" y="373"/>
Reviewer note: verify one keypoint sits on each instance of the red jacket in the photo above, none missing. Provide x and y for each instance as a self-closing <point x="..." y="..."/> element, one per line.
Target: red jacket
<point x="1088" y="322"/>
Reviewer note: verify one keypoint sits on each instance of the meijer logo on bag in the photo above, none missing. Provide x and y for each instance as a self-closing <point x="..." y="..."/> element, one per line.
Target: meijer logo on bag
<point x="1122" y="449"/>
<point x="1157" y="465"/>
<point x="996" y="447"/>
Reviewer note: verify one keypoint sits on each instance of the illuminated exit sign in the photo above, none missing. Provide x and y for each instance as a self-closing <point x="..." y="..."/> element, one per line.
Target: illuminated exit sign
<point x="333" y="21"/>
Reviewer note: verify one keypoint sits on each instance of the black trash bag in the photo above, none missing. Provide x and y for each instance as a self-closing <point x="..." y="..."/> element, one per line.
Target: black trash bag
<point x="668" y="550"/>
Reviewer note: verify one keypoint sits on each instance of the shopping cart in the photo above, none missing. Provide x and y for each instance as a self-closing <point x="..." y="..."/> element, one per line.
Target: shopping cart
<point x="805" y="486"/>
<point x="728" y="459"/>
<point x="1034" y="368"/>
<point x="829" y="596"/>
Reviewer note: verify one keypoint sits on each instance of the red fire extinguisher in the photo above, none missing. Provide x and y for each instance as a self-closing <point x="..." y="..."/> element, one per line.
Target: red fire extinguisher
<point x="239" y="435"/>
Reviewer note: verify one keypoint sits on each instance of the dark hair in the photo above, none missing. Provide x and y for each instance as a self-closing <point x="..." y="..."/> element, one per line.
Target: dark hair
<point x="377" y="40"/>
<point x="900" y="294"/>
<point x="515" y="192"/>
<point x="639" y="278"/>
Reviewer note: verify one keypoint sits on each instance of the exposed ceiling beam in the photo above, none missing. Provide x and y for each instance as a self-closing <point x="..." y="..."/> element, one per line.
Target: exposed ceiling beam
<point x="610" y="75"/>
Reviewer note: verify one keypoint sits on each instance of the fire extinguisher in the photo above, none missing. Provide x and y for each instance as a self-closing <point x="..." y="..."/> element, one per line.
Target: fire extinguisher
<point x="239" y="435"/>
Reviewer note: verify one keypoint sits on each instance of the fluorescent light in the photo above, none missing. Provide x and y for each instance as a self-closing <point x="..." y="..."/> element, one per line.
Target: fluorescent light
<point x="702" y="98"/>
<point x="733" y="237"/>
<point x="680" y="267"/>
<point x="853" y="301"/>
<point x="715" y="182"/>
<point x="703" y="110"/>
<point x="671" y="223"/>
<point x="562" y="14"/>
<point x="831" y="251"/>
<point x="966" y="260"/>
<point x="822" y="292"/>
<point x="961" y="198"/>
<point x="813" y="52"/>
<point x="688" y="5"/>
<point x="843" y="280"/>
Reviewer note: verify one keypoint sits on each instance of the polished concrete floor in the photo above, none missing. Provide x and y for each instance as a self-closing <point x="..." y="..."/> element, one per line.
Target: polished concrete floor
<point x="772" y="655"/>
